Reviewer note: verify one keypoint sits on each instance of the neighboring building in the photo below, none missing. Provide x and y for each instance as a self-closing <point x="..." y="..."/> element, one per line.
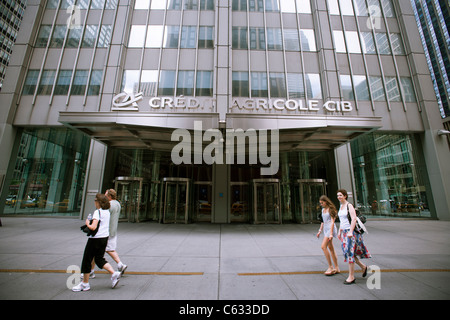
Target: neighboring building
<point x="341" y="99"/>
<point x="11" y="14"/>
<point x="433" y="20"/>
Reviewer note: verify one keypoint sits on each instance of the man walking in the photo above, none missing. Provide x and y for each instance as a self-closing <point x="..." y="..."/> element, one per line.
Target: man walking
<point x="114" y="220"/>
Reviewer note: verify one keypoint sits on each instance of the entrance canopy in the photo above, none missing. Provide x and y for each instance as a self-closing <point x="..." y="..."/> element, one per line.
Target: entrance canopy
<point x="138" y="130"/>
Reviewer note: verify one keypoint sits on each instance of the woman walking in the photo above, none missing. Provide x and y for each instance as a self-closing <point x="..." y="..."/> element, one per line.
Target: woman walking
<point x="352" y="242"/>
<point x="96" y="245"/>
<point x="329" y="214"/>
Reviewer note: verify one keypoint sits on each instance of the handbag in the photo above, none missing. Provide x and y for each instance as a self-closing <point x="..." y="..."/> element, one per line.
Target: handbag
<point x="88" y="231"/>
<point x="360" y="220"/>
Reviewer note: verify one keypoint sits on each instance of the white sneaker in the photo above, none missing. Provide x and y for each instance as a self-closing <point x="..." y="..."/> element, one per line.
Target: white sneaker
<point x="115" y="279"/>
<point x="81" y="287"/>
<point x="122" y="269"/>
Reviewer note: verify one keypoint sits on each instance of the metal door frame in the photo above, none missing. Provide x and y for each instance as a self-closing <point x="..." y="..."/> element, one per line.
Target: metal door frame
<point x="132" y="217"/>
<point x="176" y="181"/>
<point x="255" y="183"/>
<point x="309" y="182"/>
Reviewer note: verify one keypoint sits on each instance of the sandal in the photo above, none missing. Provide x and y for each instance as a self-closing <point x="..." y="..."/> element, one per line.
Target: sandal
<point x="330" y="273"/>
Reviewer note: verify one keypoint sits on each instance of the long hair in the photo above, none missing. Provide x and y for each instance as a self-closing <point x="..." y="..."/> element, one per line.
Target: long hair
<point x="332" y="208"/>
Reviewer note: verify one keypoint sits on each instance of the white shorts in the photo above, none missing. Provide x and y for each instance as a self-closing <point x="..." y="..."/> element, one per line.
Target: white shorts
<point x="112" y="244"/>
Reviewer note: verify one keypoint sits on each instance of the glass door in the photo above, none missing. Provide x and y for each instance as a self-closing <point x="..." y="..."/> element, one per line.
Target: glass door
<point x="239" y="202"/>
<point x="266" y="201"/>
<point x="310" y="192"/>
<point x="129" y="194"/>
<point x="176" y="202"/>
<point x="203" y="201"/>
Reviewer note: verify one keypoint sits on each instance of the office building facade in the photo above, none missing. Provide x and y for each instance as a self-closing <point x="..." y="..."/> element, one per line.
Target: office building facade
<point x="221" y="111"/>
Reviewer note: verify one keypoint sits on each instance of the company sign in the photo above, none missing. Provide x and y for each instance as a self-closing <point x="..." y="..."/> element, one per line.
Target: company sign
<point x="129" y="102"/>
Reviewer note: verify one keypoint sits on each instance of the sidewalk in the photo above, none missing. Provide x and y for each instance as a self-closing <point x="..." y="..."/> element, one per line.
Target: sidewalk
<point x="224" y="262"/>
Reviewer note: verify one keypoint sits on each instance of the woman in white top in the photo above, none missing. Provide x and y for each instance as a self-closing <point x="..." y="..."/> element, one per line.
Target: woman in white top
<point x="329" y="215"/>
<point x="96" y="245"/>
<point x="352" y="242"/>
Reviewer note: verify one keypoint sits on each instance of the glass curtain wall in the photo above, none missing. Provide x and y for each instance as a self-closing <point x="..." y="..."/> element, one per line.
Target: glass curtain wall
<point x="49" y="173"/>
<point x="390" y="175"/>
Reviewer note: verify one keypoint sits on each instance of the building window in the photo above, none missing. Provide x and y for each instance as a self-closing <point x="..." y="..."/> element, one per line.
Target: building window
<point x="95" y="83"/>
<point x="59" y="33"/>
<point x="397" y="45"/>
<point x="174" y="5"/>
<point x="30" y="82"/>
<point x="74" y="38"/>
<point x="257" y="39"/>
<point x="43" y="35"/>
<point x="166" y="83"/>
<point x="291" y="42"/>
<point x="361" y="89"/>
<point x="272" y="6"/>
<point x="346" y="87"/>
<point x="377" y="89"/>
<point x="188" y="37"/>
<point x="240" y="84"/>
<point x="308" y="40"/>
<point x="46" y="83"/>
<point x="388" y="8"/>
<point x="206" y="4"/>
<point x="141" y="4"/>
<point x="105" y="36"/>
<point x="368" y="44"/>
<point x="259" y="84"/>
<point x="149" y="82"/>
<point x="171" y="37"/>
<point x="296" y="88"/>
<point x="277" y="84"/>
<point x="274" y="41"/>
<point x="352" y="40"/>
<point x="185" y="83"/>
<point x="204" y="85"/>
<point x="239" y="5"/>
<point x="239" y="38"/>
<point x="90" y="35"/>
<point x="63" y="82"/>
<point x="79" y="82"/>
<point x="393" y="91"/>
<point x="154" y="36"/>
<point x="361" y="8"/>
<point x="206" y="37"/>
<point x="408" y="89"/>
<point x="158" y="4"/>
<point x="137" y="34"/>
<point x="390" y="175"/>
<point x="256" y="5"/>
<point x="382" y="43"/>
<point x="130" y="81"/>
<point x="313" y="86"/>
<point x="339" y="42"/>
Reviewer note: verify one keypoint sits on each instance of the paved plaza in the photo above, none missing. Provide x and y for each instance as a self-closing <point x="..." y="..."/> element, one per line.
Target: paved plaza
<point x="225" y="262"/>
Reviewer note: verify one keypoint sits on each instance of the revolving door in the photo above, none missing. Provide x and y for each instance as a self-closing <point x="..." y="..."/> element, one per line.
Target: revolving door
<point x="266" y="201"/>
<point x="310" y="192"/>
<point x="176" y="202"/>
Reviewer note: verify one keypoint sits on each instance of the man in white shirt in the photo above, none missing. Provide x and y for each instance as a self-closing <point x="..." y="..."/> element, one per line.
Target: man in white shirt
<point x="114" y="220"/>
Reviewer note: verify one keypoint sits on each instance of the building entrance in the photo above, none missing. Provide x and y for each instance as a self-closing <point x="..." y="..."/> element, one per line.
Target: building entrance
<point x="310" y="191"/>
<point x="266" y="201"/>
